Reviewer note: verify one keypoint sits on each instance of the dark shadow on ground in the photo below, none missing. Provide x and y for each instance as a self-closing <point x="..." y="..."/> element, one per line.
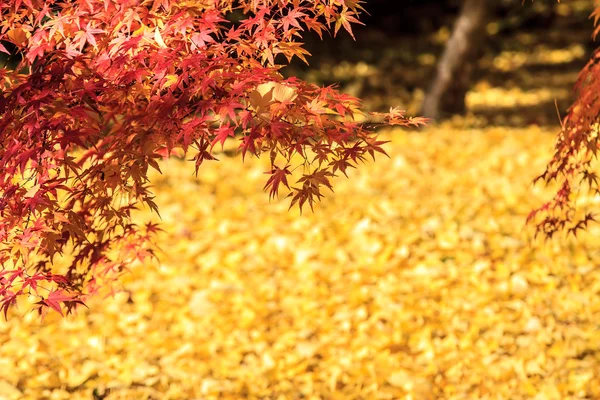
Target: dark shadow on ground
<point x="394" y="69"/>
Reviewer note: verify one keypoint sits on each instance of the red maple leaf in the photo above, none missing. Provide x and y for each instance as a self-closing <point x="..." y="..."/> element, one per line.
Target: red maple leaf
<point x="222" y="133"/>
<point x="55" y="298"/>
<point x="278" y="176"/>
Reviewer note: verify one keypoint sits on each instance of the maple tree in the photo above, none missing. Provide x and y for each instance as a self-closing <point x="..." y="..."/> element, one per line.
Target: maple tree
<point x="104" y="89"/>
<point x="572" y="165"/>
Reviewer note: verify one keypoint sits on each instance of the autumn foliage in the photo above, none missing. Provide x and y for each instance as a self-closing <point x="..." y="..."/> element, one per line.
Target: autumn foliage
<point x="575" y="152"/>
<point x="96" y="92"/>
<point x="103" y="89"/>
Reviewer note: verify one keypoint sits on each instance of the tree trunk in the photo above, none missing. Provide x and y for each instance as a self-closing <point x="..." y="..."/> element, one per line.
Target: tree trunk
<point x="453" y="79"/>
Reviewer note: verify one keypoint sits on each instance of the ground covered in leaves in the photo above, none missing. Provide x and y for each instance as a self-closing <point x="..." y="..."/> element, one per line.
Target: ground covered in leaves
<point x="416" y="279"/>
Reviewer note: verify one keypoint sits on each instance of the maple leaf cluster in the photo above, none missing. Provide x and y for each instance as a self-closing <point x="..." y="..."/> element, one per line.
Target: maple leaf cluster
<point x="104" y="89"/>
<point x="572" y="165"/>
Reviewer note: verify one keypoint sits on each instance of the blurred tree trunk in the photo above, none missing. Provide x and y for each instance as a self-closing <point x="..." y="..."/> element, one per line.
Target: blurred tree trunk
<point x="453" y="78"/>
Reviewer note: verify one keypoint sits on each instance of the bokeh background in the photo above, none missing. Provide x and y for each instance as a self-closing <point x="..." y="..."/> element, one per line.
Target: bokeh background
<point x="416" y="279"/>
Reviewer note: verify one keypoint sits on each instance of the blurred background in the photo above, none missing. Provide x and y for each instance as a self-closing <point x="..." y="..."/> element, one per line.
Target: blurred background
<point x="506" y="61"/>
<point x="417" y="279"/>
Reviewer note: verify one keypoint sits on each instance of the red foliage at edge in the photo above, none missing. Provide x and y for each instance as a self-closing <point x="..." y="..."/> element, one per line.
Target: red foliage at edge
<point x="106" y="88"/>
<point x="572" y="166"/>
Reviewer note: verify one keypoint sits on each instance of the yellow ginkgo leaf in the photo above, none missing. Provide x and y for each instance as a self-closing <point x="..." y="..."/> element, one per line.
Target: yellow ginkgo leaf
<point x="158" y="38"/>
